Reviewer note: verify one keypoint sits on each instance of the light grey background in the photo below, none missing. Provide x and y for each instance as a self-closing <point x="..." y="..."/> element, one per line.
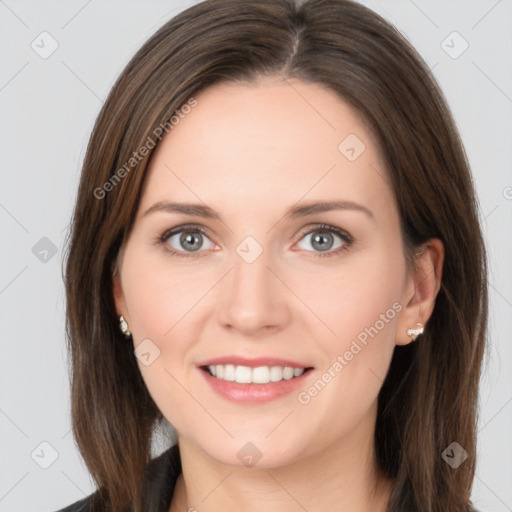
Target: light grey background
<point x="48" y="106"/>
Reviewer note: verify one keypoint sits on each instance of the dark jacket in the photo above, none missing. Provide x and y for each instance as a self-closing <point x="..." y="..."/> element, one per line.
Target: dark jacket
<point x="163" y="472"/>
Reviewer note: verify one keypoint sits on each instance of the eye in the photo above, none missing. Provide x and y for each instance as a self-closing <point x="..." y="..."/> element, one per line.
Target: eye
<point x="323" y="240"/>
<point x="185" y="240"/>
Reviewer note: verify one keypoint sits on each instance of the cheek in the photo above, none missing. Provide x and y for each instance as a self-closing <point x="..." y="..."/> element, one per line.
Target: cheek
<point x="361" y="295"/>
<point x="168" y="386"/>
<point x="159" y="292"/>
<point x="359" y="308"/>
<point x="347" y="385"/>
<point x="161" y="299"/>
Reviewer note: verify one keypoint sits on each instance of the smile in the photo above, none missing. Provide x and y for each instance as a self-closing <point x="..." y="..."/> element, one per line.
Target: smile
<point x="254" y="384"/>
<point x="259" y="375"/>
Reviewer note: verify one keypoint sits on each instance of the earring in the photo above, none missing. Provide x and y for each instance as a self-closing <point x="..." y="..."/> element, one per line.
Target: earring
<point x="123" y="325"/>
<point x="414" y="333"/>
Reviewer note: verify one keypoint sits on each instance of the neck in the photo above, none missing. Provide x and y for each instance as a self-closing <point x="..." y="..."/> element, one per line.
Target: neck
<point x="343" y="477"/>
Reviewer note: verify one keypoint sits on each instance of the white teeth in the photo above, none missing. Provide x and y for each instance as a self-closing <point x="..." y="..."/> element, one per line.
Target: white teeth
<point x="243" y="374"/>
<point x="259" y="375"/>
<point x="229" y="372"/>
<point x="276" y="373"/>
<point x="288" y="373"/>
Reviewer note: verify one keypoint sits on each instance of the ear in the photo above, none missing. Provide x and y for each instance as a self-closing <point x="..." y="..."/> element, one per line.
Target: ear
<point x="117" y="291"/>
<point x="423" y="285"/>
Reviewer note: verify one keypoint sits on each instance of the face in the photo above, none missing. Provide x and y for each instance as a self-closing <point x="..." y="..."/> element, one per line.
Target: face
<point x="324" y="293"/>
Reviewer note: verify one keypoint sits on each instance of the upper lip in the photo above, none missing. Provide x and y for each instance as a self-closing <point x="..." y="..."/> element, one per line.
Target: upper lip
<point x="253" y="363"/>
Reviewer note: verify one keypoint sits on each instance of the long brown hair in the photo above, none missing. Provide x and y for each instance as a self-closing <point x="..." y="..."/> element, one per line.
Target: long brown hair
<point x="429" y="398"/>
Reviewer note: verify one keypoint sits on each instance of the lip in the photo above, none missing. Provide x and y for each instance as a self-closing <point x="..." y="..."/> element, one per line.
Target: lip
<point x="253" y="393"/>
<point x="253" y="363"/>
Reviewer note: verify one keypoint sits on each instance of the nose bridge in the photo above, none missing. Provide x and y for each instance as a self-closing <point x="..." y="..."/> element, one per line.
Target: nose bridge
<point x="253" y="297"/>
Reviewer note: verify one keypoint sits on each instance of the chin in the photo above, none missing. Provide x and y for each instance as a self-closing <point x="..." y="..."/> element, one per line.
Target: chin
<point x="255" y="451"/>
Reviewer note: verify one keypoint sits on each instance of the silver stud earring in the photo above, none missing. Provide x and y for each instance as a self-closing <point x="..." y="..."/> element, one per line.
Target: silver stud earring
<point x="414" y="333"/>
<point x="123" y="325"/>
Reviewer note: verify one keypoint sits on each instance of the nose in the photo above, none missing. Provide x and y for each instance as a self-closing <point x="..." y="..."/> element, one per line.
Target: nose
<point x="254" y="298"/>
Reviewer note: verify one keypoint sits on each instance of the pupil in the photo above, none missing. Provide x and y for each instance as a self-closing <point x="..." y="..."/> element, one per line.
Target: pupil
<point x="187" y="238"/>
<point x="320" y="240"/>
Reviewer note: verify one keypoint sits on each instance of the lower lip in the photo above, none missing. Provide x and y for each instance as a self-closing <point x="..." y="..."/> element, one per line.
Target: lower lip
<point x="253" y="393"/>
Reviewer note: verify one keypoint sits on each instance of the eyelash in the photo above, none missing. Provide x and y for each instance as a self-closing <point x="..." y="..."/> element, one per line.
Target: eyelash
<point x="193" y="228"/>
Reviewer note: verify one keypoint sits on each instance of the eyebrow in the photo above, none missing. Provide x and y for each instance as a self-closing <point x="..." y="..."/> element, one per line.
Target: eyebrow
<point x="294" y="212"/>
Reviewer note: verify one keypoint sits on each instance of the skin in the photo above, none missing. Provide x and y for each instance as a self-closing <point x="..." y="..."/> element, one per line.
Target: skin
<point x="250" y="152"/>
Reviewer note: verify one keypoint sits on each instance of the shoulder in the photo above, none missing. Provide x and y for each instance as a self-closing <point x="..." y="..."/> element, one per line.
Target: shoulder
<point x="83" y="505"/>
<point x="162" y="473"/>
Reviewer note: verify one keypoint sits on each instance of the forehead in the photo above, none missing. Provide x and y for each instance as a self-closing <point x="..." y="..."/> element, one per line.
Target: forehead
<point x="274" y="142"/>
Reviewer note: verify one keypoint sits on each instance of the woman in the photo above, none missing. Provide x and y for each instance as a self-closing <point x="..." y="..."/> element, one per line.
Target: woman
<point x="276" y="249"/>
